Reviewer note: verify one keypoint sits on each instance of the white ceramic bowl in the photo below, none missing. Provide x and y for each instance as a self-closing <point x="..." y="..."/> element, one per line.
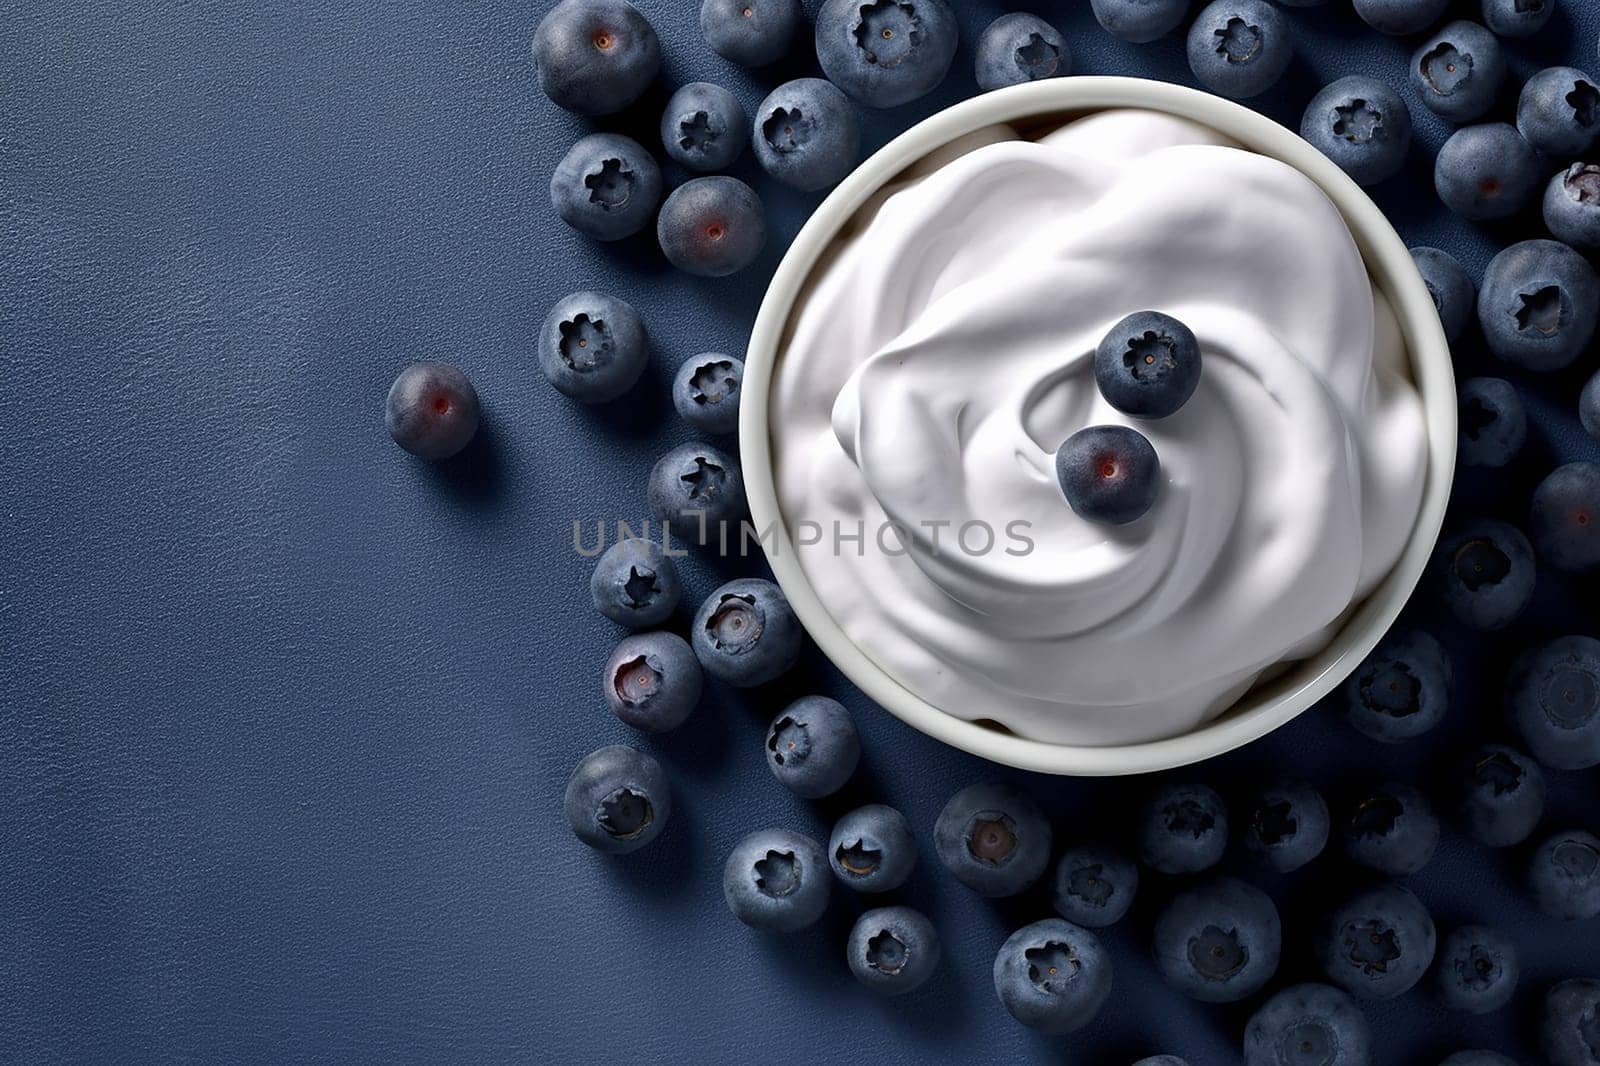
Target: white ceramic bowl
<point x="1271" y="703"/>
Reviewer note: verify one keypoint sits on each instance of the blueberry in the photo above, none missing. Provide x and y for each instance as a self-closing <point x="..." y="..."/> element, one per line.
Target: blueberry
<point x="1570" y="1031"/>
<point x="698" y="492"/>
<point x="431" y="410"/>
<point x="1148" y="365"/>
<point x="1288" y="825"/>
<point x="893" y="950"/>
<point x="1486" y="570"/>
<point x="1565" y="521"/>
<point x="886" y="53"/>
<point x="1517" y="18"/>
<point x="1538" y="305"/>
<point x="1493" y="422"/>
<point x="1094" y="887"/>
<point x="1553" y="701"/>
<point x="1452" y="289"/>
<point x="1183" y="829"/>
<point x="1457" y="73"/>
<point x="1019" y="48"/>
<point x="1402" y="689"/>
<point x="994" y="839"/>
<point x="1559" y="111"/>
<point x="1502" y="796"/>
<point x="1109" y="474"/>
<point x="776" y="879"/>
<point x="1308" y="1025"/>
<point x="1486" y="171"/>
<point x="1589" y="406"/>
<point x="752" y="33"/>
<point x="1239" y="48"/>
<point x="1162" y="1060"/>
<point x="1219" y="943"/>
<point x="606" y="187"/>
<point x="1572" y="206"/>
<point x="872" y="849"/>
<point x="712" y="227"/>
<point x="1478" y="969"/>
<point x="1478" y="1058"/>
<point x="617" y="800"/>
<point x="1400" y="17"/>
<point x="1392" y="829"/>
<point x="652" y="681"/>
<point x="1139" y="21"/>
<point x="592" y="347"/>
<point x="813" y="747"/>
<point x="596" y="57"/>
<point x="706" y="392"/>
<point x="807" y="134"/>
<point x="746" y="634"/>
<point x="1564" y="874"/>
<point x="636" y="584"/>
<point x="704" y="127"/>
<point x="1052" y="976"/>
<point x="1378" y="944"/>
<point x="1362" y="125"/>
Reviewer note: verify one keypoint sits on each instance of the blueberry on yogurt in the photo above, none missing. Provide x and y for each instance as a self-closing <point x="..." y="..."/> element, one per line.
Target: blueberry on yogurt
<point x="1183" y="829"/>
<point x="1288" y="826"/>
<point x="704" y="128"/>
<point x="807" y="134"/>
<point x="1559" y="111"/>
<point x="752" y="33"/>
<point x="635" y="584"/>
<point x="697" y="491"/>
<point x="1553" y="701"/>
<point x="1148" y="365"/>
<point x="1139" y="21"/>
<point x="885" y="53"/>
<point x="1565" y="521"/>
<point x="778" y="880"/>
<point x="1402" y="689"/>
<point x="1378" y="944"/>
<point x="1570" y="1027"/>
<point x="592" y="347"/>
<point x="1486" y="571"/>
<point x="1219" y="942"/>
<point x="1457" y="73"/>
<point x="706" y="392"/>
<point x="1572" y="206"/>
<point x="745" y="633"/>
<point x="1478" y="969"/>
<point x="606" y="187"/>
<point x="617" y="800"/>
<point x="1019" y="48"/>
<point x="1308" y="1025"/>
<point x="1451" y="288"/>
<point x="1239" y="48"/>
<point x="712" y="227"/>
<point x="1517" y="18"/>
<point x="994" y="839"/>
<point x="1392" y="829"/>
<point x="1564" y="875"/>
<point x="893" y="950"/>
<point x="595" y="57"/>
<point x="1094" y="887"/>
<point x="1502" y="796"/>
<point x="813" y="747"/>
<point x="652" y="681"/>
<point x="1052" y="976"/>
<point x="1362" y="125"/>
<point x="1486" y="172"/>
<point x="1493" y="424"/>
<point x="872" y="849"/>
<point x="431" y="410"/>
<point x="1109" y="474"/>
<point x="1398" y="18"/>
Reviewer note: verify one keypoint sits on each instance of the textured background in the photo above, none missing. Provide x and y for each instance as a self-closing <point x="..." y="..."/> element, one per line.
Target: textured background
<point x="285" y="715"/>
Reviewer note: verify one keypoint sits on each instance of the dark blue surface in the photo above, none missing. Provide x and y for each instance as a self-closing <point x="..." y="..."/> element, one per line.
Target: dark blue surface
<point x="285" y="715"/>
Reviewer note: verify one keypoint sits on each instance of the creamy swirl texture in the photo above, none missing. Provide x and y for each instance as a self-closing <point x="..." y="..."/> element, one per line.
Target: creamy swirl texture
<point x="944" y="352"/>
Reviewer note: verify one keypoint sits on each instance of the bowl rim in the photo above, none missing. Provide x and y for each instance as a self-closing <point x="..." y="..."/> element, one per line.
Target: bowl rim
<point x="1388" y="261"/>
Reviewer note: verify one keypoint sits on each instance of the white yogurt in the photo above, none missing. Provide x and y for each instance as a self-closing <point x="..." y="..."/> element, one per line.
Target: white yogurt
<point x="946" y="351"/>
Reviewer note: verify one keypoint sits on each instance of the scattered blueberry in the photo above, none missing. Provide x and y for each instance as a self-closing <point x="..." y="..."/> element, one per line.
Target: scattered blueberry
<point x="1478" y="1058"/>
<point x="1565" y="876"/>
<point x="776" y="879"/>
<point x="1457" y="73"/>
<point x="593" y="347"/>
<point x="606" y="187"/>
<point x="1139" y="21"/>
<point x="617" y="800"/>
<point x="893" y="950"/>
<point x="706" y="392"/>
<point x="635" y="584"/>
<point x="1308" y="1025"/>
<point x="712" y="227"/>
<point x="994" y="839"/>
<point x="1052" y="976"/>
<point x="1183" y="829"/>
<point x="1219" y="942"/>
<point x="1538" y="305"/>
<point x="886" y="53"/>
<point x="1361" y="124"/>
<point x="1289" y="825"/>
<point x="1502" y="796"/>
<point x="1486" y="570"/>
<point x="813" y="747"/>
<point x="595" y="57"/>
<point x="1486" y="172"/>
<point x="1493" y="421"/>
<point x="1569" y="1033"/>
<point x="652" y="681"/>
<point x="746" y="634"/>
<point x="1378" y="944"/>
<point x="752" y="33"/>
<point x="1400" y="17"/>
<point x="872" y="849"/>
<point x="432" y="410"/>
<point x="1589" y="406"/>
<point x="1559" y="111"/>
<point x="1393" y="830"/>
<point x="1478" y="969"/>
<point x="704" y="128"/>
<point x="1402" y="689"/>
<point x="1553" y="701"/>
<point x="807" y="134"/>
<point x="1572" y="206"/>
<point x="1019" y="48"/>
<point x="1109" y="474"/>
<point x="1565" y="521"/>
<point x="1148" y="365"/>
<point x="1094" y="887"/>
<point x="1517" y="18"/>
<point x="698" y="491"/>
<point x="1162" y="1060"/>
<point x="1452" y="289"/>
<point x="1239" y="48"/>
